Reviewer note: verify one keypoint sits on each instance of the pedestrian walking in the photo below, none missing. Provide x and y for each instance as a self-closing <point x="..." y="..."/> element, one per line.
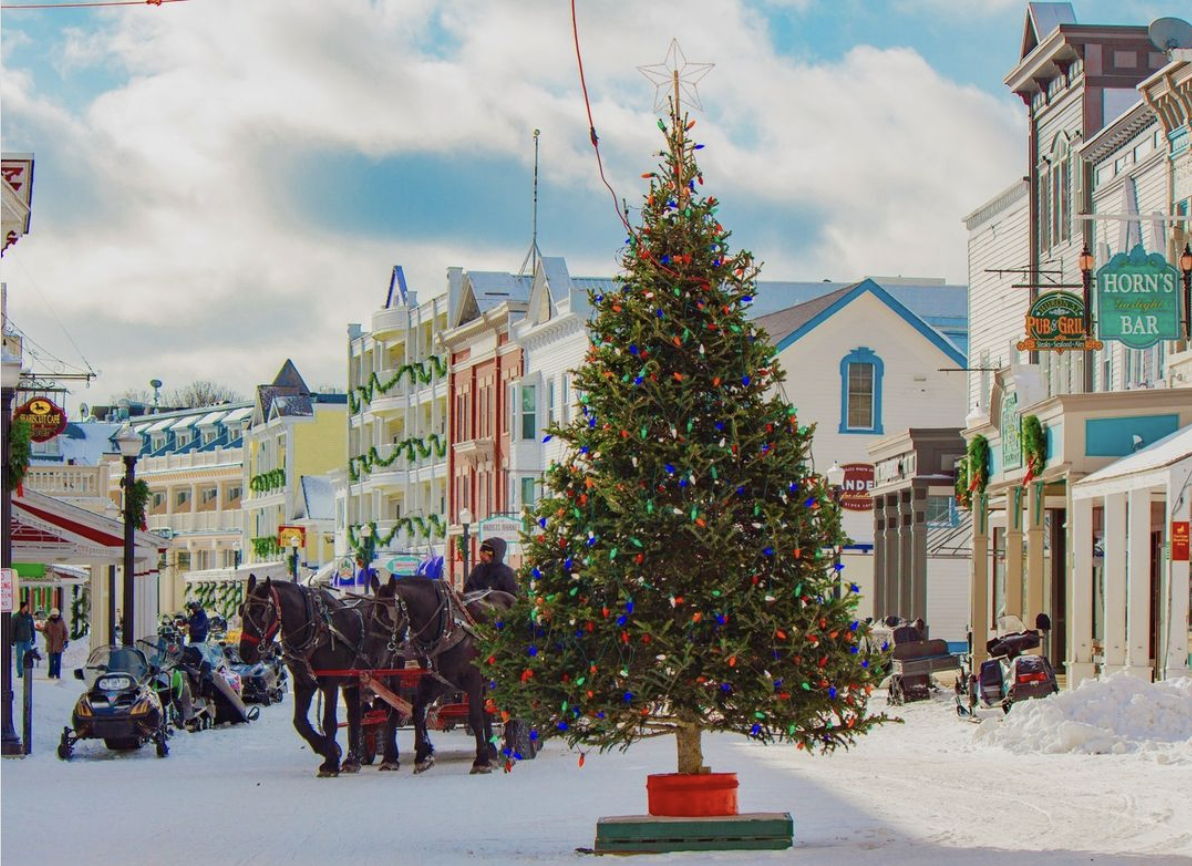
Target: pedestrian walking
<point x="23" y="634"/>
<point x="56" y="637"/>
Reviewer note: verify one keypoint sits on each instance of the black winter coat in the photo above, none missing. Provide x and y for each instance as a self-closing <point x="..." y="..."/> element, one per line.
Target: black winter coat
<point x="495" y="574"/>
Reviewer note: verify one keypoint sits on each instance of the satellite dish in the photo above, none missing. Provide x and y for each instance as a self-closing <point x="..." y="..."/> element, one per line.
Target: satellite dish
<point x="1167" y="34"/>
<point x="155" y="383"/>
<point x="83" y="410"/>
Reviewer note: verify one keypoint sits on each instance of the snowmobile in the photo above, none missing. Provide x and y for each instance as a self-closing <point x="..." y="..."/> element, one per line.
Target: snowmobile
<point x="913" y="659"/>
<point x="120" y="705"/>
<point x="215" y="680"/>
<point x="261" y="683"/>
<point x="1009" y="674"/>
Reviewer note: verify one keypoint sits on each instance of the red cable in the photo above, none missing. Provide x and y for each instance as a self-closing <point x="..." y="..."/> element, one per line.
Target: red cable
<point x="592" y="126"/>
<point x="82" y="5"/>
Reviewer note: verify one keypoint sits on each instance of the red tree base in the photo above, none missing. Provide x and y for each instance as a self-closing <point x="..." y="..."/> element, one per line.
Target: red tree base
<point x="690" y="795"/>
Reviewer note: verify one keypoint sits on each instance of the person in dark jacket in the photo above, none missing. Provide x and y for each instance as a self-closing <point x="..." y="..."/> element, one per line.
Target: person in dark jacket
<point x="196" y="623"/>
<point x="492" y="572"/>
<point x="23" y="635"/>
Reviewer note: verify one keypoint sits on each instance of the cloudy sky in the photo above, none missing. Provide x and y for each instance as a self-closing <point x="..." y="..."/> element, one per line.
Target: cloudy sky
<point x="221" y="185"/>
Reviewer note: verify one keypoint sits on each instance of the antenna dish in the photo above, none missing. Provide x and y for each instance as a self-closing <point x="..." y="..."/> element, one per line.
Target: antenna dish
<point x="155" y="383"/>
<point x="1167" y="34"/>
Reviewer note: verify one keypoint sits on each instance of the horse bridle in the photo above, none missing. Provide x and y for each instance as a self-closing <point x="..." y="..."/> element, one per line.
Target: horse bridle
<point x="273" y="604"/>
<point x="397" y="632"/>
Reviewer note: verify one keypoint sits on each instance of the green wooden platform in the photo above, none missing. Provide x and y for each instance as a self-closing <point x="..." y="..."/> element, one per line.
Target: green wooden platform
<point x="648" y="834"/>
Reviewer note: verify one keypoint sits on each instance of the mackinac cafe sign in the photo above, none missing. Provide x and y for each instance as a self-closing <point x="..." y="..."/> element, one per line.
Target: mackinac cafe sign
<point x="1138" y="299"/>
<point x="1055" y="323"/>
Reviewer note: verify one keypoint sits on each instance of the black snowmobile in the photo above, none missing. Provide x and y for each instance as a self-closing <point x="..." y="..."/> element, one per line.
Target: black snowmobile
<point x="215" y="680"/>
<point x="120" y="706"/>
<point x="261" y="683"/>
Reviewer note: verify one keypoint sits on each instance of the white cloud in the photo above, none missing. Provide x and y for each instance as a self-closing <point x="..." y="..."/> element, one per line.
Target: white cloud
<point x="889" y="154"/>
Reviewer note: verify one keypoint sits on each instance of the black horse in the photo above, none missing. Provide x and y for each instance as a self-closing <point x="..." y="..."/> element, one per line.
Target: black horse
<point x="318" y="632"/>
<point x="426" y="620"/>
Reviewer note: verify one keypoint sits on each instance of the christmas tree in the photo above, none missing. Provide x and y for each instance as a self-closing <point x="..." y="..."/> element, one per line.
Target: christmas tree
<point x="680" y="568"/>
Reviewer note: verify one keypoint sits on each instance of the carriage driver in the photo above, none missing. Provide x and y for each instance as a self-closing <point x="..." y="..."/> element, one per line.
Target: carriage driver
<point x="492" y="572"/>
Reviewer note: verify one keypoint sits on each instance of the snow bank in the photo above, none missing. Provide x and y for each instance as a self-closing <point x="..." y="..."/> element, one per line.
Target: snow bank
<point x="1116" y="715"/>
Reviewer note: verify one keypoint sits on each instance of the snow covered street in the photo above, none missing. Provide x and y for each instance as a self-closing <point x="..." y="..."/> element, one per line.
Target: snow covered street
<point x="932" y="790"/>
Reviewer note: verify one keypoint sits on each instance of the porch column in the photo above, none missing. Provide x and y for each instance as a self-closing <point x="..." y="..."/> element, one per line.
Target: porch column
<point x="893" y="557"/>
<point x="1080" y="591"/>
<point x="1138" y="586"/>
<point x="880" y="559"/>
<point x="906" y="543"/>
<point x="918" y="575"/>
<point x="1034" y="553"/>
<point x="1014" y="552"/>
<point x="979" y="579"/>
<point x="1179" y="498"/>
<point x="1113" y="573"/>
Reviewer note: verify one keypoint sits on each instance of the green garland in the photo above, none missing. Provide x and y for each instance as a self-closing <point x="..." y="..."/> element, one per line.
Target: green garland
<point x="1034" y="446"/>
<point x="411" y="448"/>
<point x="429" y="528"/>
<point x="274" y="479"/>
<point x="421" y="371"/>
<point x="219" y="597"/>
<point x="20" y="450"/>
<point x="266" y="546"/>
<point x="138" y="501"/>
<point x="978" y="464"/>
<point x="963" y="497"/>
<point x="80" y="611"/>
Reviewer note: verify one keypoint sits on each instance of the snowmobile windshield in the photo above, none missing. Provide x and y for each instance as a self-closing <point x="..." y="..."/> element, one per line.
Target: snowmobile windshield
<point x="1009" y="624"/>
<point x="115" y="659"/>
<point x="161" y="651"/>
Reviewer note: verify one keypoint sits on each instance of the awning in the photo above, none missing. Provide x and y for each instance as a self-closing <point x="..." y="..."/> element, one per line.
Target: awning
<point x="45" y="529"/>
<point x="1148" y="467"/>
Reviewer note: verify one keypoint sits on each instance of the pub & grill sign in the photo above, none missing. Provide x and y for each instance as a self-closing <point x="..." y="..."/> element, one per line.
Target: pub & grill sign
<point x="45" y="418"/>
<point x="1056" y="323"/>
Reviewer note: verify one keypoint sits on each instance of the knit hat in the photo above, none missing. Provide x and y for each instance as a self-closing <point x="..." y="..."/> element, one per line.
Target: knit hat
<point x="55" y="612"/>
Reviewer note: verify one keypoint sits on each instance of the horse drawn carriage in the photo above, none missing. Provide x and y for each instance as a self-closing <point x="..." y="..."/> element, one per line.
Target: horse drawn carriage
<point x="361" y="646"/>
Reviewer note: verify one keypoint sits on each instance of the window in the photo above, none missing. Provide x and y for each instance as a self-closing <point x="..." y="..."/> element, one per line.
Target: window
<point x="564" y="401"/>
<point x="528" y="491"/>
<point x="529" y="421"/>
<point x="941" y="511"/>
<point x="234" y="493"/>
<point x="861" y="392"/>
<point x="210" y="494"/>
<point x="181" y="498"/>
<point x="550" y="401"/>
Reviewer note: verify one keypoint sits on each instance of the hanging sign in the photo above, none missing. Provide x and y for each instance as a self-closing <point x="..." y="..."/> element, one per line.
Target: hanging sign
<point x="1055" y="323"/>
<point x="508" y="528"/>
<point x="45" y="418"/>
<point x="1011" y="433"/>
<point x="1138" y="299"/>
<point x="855" y="491"/>
<point x="8" y="585"/>
<point x="1179" y="541"/>
<point x="286" y="534"/>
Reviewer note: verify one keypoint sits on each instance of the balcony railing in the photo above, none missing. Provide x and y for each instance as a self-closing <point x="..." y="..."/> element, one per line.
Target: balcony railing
<point x="69" y="482"/>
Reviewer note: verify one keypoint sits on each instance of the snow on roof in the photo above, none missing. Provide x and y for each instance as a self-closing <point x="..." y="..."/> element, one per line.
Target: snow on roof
<point x="211" y="418"/>
<point x="319" y="496"/>
<point x="159" y="426"/>
<point x="238" y="414"/>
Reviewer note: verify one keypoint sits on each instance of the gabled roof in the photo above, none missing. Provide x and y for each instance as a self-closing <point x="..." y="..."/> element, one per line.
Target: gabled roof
<point x="787" y="326"/>
<point x="1041" y="19"/>
<point x="318" y="494"/>
<point x="290" y="389"/>
<point x="289" y="377"/>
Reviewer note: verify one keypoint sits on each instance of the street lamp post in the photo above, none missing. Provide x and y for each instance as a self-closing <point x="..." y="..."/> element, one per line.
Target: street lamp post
<point x="294" y="542"/>
<point x="835" y="478"/>
<point x="12" y="376"/>
<point x="129" y="443"/>
<point x="1086" y="262"/>
<point x="465" y="519"/>
<point x="1186" y="267"/>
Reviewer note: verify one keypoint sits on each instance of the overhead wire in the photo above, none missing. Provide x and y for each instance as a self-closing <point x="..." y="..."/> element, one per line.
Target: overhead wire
<point x="87" y="5"/>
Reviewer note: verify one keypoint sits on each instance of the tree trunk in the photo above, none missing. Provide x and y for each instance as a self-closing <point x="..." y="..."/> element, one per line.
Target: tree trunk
<point x="691" y="756"/>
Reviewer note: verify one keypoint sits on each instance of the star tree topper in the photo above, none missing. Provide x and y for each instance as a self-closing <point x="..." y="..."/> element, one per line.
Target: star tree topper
<point x="676" y="76"/>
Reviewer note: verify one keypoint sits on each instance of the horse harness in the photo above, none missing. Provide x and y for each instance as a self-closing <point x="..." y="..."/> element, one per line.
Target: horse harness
<point x="445" y="629"/>
<point x="318" y="627"/>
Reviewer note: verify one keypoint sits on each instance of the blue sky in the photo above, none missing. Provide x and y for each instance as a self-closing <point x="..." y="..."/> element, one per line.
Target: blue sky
<point x="223" y="185"/>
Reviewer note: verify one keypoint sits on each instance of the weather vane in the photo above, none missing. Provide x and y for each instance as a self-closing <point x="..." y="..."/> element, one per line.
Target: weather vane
<point x="676" y="78"/>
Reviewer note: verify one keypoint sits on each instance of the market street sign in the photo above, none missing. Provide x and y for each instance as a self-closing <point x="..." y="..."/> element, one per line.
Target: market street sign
<point x="501" y="526"/>
<point x="1055" y="323"/>
<point x="1138" y="299"/>
<point x="45" y="418"/>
